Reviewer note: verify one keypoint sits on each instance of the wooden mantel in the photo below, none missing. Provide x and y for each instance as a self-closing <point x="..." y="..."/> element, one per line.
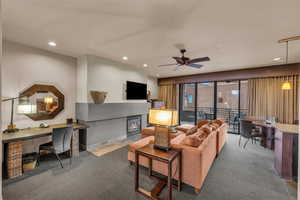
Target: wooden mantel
<point x="241" y="74"/>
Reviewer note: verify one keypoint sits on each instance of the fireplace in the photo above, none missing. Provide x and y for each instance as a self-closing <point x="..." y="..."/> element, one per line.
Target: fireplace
<point x="134" y="125"/>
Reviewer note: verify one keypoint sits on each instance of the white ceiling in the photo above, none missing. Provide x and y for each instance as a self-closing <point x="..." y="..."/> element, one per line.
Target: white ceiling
<point x="233" y="33"/>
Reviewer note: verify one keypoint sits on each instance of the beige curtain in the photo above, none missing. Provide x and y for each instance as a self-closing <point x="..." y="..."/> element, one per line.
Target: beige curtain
<point x="167" y="93"/>
<point x="267" y="99"/>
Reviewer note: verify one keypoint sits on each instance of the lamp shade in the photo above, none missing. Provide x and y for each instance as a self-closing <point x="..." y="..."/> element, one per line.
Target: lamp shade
<point x="286" y="86"/>
<point x="163" y="117"/>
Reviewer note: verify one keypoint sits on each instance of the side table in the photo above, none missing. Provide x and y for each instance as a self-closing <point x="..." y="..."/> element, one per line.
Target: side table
<point x="167" y="157"/>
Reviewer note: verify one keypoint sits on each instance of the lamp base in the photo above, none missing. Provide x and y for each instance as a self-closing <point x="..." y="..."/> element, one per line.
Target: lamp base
<point x="11" y="129"/>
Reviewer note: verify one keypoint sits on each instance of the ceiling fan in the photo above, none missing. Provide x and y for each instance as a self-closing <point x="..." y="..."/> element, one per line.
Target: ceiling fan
<point x="180" y="61"/>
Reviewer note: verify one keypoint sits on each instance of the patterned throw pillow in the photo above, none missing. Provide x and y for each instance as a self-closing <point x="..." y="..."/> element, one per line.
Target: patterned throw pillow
<point x="184" y="127"/>
<point x="201" y="134"/>
<point x="192" y="130"/>
<point x="218" y="121"/>
<point x="192" y="140"/>
<point x="201" y="123"/>
<point x="206" y="128"/>
<point x="214" y="126"/>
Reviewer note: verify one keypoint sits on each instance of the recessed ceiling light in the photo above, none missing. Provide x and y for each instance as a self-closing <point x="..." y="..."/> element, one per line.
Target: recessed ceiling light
<point x="52" y="44"/>
<point x="125" y="58"/>
<point x="277" y="59"/>
<point x="157" y="75"/>
<point x="145" y="65"/>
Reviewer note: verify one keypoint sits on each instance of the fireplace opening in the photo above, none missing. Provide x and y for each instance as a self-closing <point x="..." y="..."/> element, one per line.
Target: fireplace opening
<point x="134" y="125"/>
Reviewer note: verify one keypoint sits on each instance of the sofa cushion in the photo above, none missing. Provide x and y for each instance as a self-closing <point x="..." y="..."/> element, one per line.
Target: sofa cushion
<point x="141" y="143"/>
<point x="201" y="123"/>
<point x="192" y="140"/>
<point x="185" y="127"/>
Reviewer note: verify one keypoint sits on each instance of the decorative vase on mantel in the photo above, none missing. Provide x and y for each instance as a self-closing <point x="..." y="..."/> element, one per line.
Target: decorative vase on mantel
<point x="98" y="96"/>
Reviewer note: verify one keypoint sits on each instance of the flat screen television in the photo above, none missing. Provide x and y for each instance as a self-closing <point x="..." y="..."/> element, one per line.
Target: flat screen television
<point x="136" y="91"/>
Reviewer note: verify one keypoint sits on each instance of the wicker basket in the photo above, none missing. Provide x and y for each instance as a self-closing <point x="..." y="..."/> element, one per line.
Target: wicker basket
<point x="98" y="97"/>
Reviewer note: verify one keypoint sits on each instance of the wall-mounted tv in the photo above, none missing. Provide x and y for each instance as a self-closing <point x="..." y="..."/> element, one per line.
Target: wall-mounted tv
<point x="136" y="91"/>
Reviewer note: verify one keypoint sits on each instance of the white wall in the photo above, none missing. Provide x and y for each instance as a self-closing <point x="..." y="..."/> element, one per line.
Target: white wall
<point x="24" y="66"/>
<point x="81" y="79"/>
<point x="109" y="76"/>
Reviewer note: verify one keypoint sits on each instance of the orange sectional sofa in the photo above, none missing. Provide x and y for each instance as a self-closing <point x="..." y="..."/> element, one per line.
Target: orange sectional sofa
<point x="196" y="160"/>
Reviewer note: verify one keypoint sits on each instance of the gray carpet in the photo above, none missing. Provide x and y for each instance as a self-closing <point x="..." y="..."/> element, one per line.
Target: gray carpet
<point x="237" y="174"/>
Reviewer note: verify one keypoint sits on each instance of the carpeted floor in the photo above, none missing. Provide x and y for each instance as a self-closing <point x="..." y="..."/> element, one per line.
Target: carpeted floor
<point x="237" y="174"/>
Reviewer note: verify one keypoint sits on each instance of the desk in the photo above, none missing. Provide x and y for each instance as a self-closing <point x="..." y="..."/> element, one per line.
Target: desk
<point x="13" y="149"/>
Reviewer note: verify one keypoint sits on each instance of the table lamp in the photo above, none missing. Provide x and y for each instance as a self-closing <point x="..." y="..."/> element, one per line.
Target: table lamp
<point x="163" y="119"/>
<point x="24" y="107"/>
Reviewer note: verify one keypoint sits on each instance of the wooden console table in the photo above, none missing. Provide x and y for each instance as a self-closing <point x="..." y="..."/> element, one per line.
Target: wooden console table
<point x="13" y="142"/>
<point x="163" y="156"/>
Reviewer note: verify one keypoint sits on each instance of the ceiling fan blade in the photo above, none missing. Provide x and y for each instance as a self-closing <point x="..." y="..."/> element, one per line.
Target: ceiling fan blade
<point x="179" y="60"/>
<point x="203" y="59"/>
<point x="194" y="65"/>
<point x="167" y="65"/>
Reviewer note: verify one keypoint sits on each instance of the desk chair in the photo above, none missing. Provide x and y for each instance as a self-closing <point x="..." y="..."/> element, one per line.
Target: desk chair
<point x="248" y="131"/>
<point x="61" y="142"/>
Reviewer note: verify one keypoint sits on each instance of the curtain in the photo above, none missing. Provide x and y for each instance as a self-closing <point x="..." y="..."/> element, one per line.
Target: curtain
<point x="167" y="94"/>
<point x="267" y="99"/>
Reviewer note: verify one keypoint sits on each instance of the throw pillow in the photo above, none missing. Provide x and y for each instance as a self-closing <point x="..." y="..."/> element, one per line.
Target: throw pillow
<point x="201" y="123"/>
<point x="206" y="128"/>
<point x="192" y="141"/>
<point x="184" y="127"/>
<point x="218" y="121"/>
<point x="192" y="130"/>
<point x="214" y="126"/>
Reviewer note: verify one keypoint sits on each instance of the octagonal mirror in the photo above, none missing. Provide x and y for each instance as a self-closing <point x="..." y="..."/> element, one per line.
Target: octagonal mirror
<point x="48" y="99"/>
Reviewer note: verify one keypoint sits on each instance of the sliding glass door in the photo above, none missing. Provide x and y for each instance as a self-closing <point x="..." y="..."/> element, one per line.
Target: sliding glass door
<point x="205" y="101"/>
<point x="187" y="103"/>
<point x="227" y="100"/>
<point x="228" y="104"/>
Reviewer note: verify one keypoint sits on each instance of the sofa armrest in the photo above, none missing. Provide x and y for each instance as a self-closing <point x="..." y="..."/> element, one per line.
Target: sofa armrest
<point x="191" y="164"/>
<point x="140" y="143"/>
